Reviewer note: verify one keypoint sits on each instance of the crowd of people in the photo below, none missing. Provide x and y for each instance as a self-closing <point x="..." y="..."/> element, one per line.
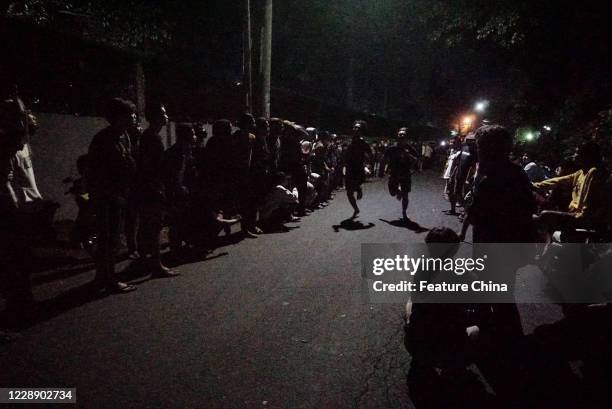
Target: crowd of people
<point x="506" y="199"/>
<point x="262" y="173"/>
<point x="568" y="194"/>
<point x="257" y="172"/>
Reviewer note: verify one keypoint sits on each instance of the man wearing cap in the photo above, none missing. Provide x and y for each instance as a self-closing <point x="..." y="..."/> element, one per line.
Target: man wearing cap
<point x="400" y="159"/>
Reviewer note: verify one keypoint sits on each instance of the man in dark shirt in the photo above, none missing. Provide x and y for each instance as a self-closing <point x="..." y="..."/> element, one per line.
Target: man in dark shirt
<point x="244" y="159"/>
<point x="151" y="194"/>
<point x="465" y="167"/>
<point x="503" y="202"/>
<point x="110" y="176"/>
<point x="217" y="175"/>
<point x="179" y="172"/>
<point x="131" y="222"/>
<point x="354" y="158"/>
<point x="400" y="159"/>
<point x="199" y="151"/>
<point x="501" y="212"/>
<point x="291" y="161"/>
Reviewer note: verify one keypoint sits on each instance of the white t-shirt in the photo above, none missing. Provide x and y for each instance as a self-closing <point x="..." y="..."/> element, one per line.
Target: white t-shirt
<point x="427" y="151"/>
<point x="23" y="182"/>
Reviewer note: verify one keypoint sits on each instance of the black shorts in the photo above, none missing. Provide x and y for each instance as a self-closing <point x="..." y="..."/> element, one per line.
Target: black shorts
<point x="405" y="184"/>
<point x="354" y="179"/>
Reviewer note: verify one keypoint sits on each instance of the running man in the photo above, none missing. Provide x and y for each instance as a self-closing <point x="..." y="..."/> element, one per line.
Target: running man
<point x="354" y="158"/>
<point x="400" y="158"/>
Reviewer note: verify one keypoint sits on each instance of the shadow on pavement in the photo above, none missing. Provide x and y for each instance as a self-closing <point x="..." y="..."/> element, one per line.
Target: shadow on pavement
<point x="45" y="310"/>
<point x="351" y="225"/>
<point x="432" y="388"/>
<point x="32" y="313"/>
<point x="280" y="229"/>
<point x="563" y="365"/>
<point x="406" y="224"/>
<point x="62" y="274"/>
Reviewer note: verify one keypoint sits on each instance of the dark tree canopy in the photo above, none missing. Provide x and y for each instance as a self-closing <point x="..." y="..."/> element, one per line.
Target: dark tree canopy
<point x="418" y="61"/>
<point x="126" y="24"/>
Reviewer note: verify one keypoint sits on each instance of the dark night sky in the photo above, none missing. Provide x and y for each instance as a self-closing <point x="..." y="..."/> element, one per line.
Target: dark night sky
<point x="415" y="60"/>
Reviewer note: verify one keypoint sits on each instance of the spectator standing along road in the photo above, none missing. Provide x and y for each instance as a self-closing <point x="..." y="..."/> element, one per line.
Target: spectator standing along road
<point x="111" y="174"/>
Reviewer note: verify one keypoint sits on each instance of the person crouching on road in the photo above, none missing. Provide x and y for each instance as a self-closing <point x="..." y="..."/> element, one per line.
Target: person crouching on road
<point x="279" y="204"/>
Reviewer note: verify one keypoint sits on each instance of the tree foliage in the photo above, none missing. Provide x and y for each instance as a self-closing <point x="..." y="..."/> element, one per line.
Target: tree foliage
<point x="126" y="24"/>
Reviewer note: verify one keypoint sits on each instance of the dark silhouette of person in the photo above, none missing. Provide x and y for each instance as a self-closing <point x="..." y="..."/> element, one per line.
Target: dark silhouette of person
<point x="179" y="172"/>
<point x="400" y="159"/>
<point x="199" y="151"/>
<point x="274" y="143"/>
<point x="586" y="207"/>
<point x="151" y="193"/>
<point x="291" y="162"/>
<point x="111" y="174"/>
<point x="279" y="204"/>
<point x="243" y="168"/>
<point x="217" y="166"/>
<point x="354" y="159"/>
<point x="466" y="162"/>
<point x="260" y="168"/>
<point x="501" y="212"/>
<point x="14" y="278"/>
<point x="131" y="222"/>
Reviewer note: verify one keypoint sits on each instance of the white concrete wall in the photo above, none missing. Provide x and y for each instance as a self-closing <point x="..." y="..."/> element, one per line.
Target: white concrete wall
<point x="60" y="140"/>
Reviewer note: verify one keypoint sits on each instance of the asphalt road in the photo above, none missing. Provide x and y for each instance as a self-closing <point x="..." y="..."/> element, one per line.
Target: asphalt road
<point x="280" y="321"/>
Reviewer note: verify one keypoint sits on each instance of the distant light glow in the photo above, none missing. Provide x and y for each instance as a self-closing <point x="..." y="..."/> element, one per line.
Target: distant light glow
<point x="529" y="136"/>
<point x="481" y="106"/>
<point x="467" y="120"/>
<point x="547" y="128"/>
<point x="443" y="143"/>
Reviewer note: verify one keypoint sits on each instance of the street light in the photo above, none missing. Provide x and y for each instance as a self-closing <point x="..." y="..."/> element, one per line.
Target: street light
<point x="529" y="136"/>
<point x="481" y="106"/>
<point x="547" y="128"/>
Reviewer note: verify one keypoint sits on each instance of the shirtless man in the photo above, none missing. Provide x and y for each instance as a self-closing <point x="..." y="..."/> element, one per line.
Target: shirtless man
<point x="400" y="159"/>
<point x="354" y="158"/>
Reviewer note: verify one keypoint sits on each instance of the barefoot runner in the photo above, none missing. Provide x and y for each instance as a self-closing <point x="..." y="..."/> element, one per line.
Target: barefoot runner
<point x="355" y="157"/>
<point x="400" y="158"/>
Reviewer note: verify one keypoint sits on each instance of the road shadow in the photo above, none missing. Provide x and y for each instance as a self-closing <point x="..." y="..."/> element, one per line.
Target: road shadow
<point x="45" y="310"/>
<point x="434" y="388"/>
<point x="138" y="272"/>
<point x="570" y="361"/>
<point x="62" y="274"/>
<point x="234" y="238"/>
<point x="406" y="224"/>
<point x="351" y="225"/>
<point x="563" y="365"/>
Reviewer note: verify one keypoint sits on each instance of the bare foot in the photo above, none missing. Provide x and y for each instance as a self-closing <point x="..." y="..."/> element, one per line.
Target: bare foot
<point x="165" y="272"/>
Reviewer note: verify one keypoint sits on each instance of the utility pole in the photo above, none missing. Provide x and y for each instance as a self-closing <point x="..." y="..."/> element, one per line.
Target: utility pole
<point x="266" y="59"/>
<point x="140" y="89"/>
<point x="247" y="45"/>
<point x="350" y="84"/>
